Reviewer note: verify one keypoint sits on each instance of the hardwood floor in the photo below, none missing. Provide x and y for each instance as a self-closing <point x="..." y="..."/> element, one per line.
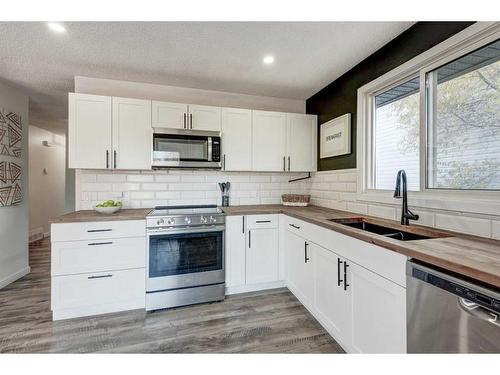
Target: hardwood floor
<point x="264" y="322"/>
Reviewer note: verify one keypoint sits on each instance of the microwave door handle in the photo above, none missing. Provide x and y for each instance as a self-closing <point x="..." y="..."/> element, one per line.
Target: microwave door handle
<point x="209" y="149"/>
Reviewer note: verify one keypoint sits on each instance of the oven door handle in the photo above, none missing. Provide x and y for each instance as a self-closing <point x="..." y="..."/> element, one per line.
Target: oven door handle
<point x="167" y="231"/>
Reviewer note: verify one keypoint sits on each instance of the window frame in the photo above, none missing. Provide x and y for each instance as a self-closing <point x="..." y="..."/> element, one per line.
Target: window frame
<point x="474" y="201"/>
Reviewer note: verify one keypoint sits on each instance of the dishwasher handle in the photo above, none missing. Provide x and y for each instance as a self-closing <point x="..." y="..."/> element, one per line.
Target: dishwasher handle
<point x="478" y="311"/>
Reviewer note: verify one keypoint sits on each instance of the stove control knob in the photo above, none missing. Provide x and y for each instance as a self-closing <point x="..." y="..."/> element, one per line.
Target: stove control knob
<point x="160" y="222"/>
<point x="203" y="220"/>
<point x="171" y="221"/>
<point x="187" y="220"/>
<point x="212" y="219"/>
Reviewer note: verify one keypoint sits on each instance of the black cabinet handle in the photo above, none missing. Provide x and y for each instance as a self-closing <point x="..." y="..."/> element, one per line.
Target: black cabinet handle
<point x="249" y="239"/>
<point x="107" y="158"/>
<point x="339" y="280"/>
<point x="306" y="258"/>
<point x="224" y="162"/>
<point x="114" y="159"/>
<point x="243" y="225"/>
<point x="100" y="243"/>
<point x="98" y="230"/>
<point x="191" y="120"/>
<point x="284" y="164"/>
<point x="99" y="277"/>
<point x="289" y="163"/>
<point x="345" y="275"/>
<point x="262" y="221"/>
<point x="184" y="121"/>
<point x="294" y="226"/>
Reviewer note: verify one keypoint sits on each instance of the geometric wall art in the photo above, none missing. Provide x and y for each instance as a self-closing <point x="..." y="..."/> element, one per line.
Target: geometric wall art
<point x="10" y="148"/>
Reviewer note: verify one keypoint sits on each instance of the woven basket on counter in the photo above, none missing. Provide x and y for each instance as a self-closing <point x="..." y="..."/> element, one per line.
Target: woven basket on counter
<point x="300" y="200"/>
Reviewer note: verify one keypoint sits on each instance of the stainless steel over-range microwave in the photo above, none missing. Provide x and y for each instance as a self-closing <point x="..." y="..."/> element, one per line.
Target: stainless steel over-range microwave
<point x="182" y="148"/>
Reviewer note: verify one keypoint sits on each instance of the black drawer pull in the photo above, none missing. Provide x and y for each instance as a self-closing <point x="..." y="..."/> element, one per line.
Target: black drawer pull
<point x="345" y="275"/>
<point x="306" y="258"/>
<point x="262" y="221"/>
<point x="99" y="277"/>
<point x="295" y="226"/>
<point x="100" y="243"/>
<point x="339" y="280"/>
<point x="99" y="230"/>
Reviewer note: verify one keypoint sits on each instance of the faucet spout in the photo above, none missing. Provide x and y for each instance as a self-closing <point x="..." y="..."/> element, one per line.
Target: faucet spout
<point x="401" y="184"/>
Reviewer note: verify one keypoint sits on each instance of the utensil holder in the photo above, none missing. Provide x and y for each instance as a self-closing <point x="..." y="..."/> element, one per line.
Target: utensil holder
<point x="225" y="201"/>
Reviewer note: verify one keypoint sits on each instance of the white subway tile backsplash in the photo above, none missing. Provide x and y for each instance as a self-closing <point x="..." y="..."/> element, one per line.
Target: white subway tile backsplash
<point x="140" y="178"/>
<point x="96" y="186"/>
<point x="464" y="224"/>
<point x="125" y="186"/>
<point x="193" y="178"/>
<point x="167" y="178"/>
<point x="111" y="177"/>
<point x="167" y="194"/>
<point x="142" y="195"/>
<point x="495" y="229"/>
<point x="382" y="211"/>
<point x="154" y="186"/>
<point x="359" y="208"/>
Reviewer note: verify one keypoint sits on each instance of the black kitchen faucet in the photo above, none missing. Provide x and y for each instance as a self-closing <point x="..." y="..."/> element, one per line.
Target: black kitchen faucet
<point x="406" y="214"/>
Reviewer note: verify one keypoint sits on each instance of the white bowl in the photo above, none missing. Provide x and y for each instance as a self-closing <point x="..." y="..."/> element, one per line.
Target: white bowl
<point x="107" y="210"/>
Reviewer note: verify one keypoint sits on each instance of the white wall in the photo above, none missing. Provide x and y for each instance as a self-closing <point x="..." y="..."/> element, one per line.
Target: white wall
<point x="14" y="219"/>
<point x="47" y="190"/>
<point x="337" y="190"/>
<point x="138" y="90"/>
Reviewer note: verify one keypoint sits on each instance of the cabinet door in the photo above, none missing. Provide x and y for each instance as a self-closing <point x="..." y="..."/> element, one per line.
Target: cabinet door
<point x="169" y="115"/>
<point x="236" y="139"/>
<point x="132" y="133"/>
<point x="299" y="270"/>
<point x="268" y="141"/>
<point x="204" y="117"/>
<point x="262" y="255"/>
<point x="301" y="142"/>
<point x="378" y="313"/>
<point x="332" y="302"/>
<point x="235" y="251"/>
<point x="89" y="131"/>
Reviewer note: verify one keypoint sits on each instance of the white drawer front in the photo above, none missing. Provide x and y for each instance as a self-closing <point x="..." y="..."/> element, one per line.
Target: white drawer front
<point x="98" y="255"/>
<point x="99" y="292"/>
<point x="298" y="227"/>
<point x="262" y="221"/>
<point x="96" y="230"/>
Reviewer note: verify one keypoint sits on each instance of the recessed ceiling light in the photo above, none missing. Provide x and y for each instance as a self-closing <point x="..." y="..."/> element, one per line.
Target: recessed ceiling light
<point x="268" y="59"/>
<point x="56" y="27"/>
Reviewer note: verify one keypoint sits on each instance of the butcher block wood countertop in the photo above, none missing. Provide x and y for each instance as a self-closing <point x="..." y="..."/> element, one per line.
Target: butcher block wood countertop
<point x="471" y="256"/>
<point x="91" y="215"/>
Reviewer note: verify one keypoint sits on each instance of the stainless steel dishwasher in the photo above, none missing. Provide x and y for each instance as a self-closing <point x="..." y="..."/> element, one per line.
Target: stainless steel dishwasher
<point x="448" y="314"/>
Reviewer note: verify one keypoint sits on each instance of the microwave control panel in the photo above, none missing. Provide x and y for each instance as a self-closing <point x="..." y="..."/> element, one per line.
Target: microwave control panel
<point x="215" y="149"/>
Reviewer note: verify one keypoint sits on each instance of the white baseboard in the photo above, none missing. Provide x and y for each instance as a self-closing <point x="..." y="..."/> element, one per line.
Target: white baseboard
<point x="13" y="277"/>
<point x="254" y="287"/>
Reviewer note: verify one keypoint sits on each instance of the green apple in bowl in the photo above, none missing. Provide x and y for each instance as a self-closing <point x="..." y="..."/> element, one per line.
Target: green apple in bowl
<point x="108" y="207"/>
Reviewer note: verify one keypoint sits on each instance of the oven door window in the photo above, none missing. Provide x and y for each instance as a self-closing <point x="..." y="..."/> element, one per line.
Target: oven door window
<point x="178" y="254"/>
<point x="178" y="147"/>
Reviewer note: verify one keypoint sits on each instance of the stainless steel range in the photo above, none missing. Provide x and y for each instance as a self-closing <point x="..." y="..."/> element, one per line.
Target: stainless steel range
<point x="185" y="262"/>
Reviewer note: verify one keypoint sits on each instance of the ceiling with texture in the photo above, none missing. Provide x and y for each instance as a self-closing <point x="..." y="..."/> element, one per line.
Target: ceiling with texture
<point x="225" y="56"/>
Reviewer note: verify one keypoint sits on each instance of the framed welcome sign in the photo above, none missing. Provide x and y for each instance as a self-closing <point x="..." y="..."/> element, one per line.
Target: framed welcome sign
<point x="335" y="137"/>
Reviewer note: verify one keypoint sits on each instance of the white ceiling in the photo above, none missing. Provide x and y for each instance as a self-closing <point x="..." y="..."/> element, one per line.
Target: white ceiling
<point x="224" y="56"/>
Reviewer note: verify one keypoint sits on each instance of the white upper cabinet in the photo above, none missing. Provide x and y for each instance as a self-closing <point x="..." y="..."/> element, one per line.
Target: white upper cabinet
<point x="204" y="117"/>
<point x="89" y="131"/>
<point x="301" y="141"/>
<point x="268" y="141"/>
<point x="169" y="115"/>
<point x="132" y="133"/>
<point x="236" y="139"/>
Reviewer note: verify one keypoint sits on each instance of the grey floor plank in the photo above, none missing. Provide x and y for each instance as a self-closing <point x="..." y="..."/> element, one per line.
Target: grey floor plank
<point x="270" y="321"/>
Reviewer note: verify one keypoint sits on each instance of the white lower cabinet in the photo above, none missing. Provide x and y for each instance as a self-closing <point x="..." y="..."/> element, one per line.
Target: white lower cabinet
<point x="101" y="272"/>
<point x="252" y="253"/>
<point x="332" y="300"/>
<point x="262" y="256"/>
<point x="363" y="311"/>
<point x="378" y="308"/>
<point x="300" y="269"/>
<point x="235" y="251"/>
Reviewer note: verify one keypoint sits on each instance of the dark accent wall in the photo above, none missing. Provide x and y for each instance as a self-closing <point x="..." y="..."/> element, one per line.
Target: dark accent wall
<point x="340" y="96"/>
